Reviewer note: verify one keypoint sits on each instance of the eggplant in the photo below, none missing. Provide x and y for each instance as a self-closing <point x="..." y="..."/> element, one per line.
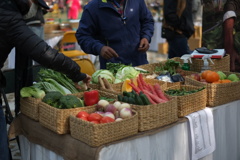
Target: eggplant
<point x="177" y="78"/>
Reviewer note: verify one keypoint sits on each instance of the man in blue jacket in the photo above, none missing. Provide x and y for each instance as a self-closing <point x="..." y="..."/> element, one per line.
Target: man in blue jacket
<point x="119" y="31"/>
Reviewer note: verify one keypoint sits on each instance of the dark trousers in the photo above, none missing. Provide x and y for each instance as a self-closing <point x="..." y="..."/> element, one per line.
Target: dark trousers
<point x="178" y="47"/>
<point x="4" y="150"/>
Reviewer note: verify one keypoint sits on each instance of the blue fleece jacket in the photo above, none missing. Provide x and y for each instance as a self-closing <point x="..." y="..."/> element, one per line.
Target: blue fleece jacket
<point x="102" y="25"/>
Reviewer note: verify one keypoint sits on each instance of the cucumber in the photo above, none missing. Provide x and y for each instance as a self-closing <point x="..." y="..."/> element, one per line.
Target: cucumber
<point x="144" y="99"/>
<point x="120" y="97"/>
<point x="138" y="100"/>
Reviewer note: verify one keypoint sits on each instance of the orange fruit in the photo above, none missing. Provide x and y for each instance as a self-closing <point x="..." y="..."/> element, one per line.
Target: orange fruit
<point x="212" y="77"/>
<point x="204" y="74"/>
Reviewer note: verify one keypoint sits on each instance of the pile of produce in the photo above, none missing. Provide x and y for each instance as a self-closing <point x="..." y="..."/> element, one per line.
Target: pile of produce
<point x="49" y="81"/>
<point x="138" y="92"/>
<point x="116" y="73"/>
<point x="214" y="77"/>
<point x="167" y="72"/>
<point x="107" y="112"/>
<point x="182" y="92"/>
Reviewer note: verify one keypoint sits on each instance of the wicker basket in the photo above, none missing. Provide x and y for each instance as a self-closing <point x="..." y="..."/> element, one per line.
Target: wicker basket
<point x="157" y="115"/>
<point x="57" y="119"/>
<point x="218" y="94"/>
<point x="192" y="102"/>
<point x="98" y="134"/>
<point x="29" y="107"/>
<point x="118" y="87"/>
<point x="222" y="64"/>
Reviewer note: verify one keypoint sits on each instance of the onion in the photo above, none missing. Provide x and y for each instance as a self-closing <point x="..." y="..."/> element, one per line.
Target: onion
<point x="124" y="105"/>
<point x="125" y="113"/>
<point x="109" y="114"/>
<point x="110" y="108"/>
<point x="118" y="119"/>
<point x="100" y="112"/>
<point x="117" y="104"/>
<point x="103" y="103"/>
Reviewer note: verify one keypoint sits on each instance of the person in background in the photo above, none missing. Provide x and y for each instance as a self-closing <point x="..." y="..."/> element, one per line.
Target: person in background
<point x="177" y="26"/>
<point x="74" y="8"/>
<point x="118" y="31"/>
<point x="15" y="33"/>
<point x="229" y="18"/>
<point x="35" y="17"/>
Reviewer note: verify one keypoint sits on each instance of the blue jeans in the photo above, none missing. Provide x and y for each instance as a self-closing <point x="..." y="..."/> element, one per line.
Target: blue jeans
<point x="4" y="150"/>
<point x="178" y="47"/>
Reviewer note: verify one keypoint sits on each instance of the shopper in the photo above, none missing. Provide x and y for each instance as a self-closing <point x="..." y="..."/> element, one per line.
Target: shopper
<point x="229" y="18"/>
<point x="118" y="31"/>
<point x="15" y="33"/>
<point x="177" y="26"/>
<point x="74" y="8"/>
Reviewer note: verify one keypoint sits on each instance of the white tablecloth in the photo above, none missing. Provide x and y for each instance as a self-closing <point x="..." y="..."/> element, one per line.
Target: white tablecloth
<point x="170" y="144"/>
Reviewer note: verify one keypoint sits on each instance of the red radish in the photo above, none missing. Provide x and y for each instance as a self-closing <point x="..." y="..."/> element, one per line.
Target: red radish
<point x="159" y="92"/>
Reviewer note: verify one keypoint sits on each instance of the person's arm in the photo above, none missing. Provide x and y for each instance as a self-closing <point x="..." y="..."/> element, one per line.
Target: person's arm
<point x="86" y="32"/>
<point x="228" y="27"/>
<point x="23" y="6"/>
<point x="20" y="36"/>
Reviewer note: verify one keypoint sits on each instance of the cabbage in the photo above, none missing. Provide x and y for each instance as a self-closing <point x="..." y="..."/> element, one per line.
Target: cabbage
<point x="104" y="74"/>
<point x="126" y="72"/>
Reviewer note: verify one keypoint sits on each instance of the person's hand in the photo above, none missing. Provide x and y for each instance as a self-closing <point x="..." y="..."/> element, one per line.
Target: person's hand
<point x="144" y="45"/>
<point x="108" y="52"/>
<point x="86" y="83"/>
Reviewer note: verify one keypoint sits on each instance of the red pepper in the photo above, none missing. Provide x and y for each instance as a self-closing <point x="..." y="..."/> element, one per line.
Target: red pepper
<point x="91" y="97"/>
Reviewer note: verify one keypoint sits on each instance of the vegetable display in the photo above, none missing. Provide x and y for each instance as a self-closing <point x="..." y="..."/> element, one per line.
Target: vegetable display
<point x="182" y="92"/>
<point x="57" y="100"/>
<point x="107" y="112"/>
<point x="142" y="93"/>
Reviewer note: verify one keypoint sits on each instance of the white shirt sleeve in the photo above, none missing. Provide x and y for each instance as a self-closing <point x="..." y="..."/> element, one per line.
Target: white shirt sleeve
<point x="229" y="14"/>
<point x="32" y="11"/>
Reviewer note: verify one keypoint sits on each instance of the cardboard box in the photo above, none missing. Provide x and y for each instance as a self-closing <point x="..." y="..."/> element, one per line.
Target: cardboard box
<point x="163" y="48"/>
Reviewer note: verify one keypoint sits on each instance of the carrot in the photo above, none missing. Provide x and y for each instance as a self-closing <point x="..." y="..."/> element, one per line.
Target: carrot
<point x="154" y="97"/>
<point x="149" y="98"/>
<point x="144" y="84"/>
<point x="135" y="88"/>
<point x="159" y="92"/>
<point x="139" y="84"/>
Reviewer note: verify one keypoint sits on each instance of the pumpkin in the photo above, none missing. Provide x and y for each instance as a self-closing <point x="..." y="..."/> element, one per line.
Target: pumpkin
<point x="126" y="86"/>
<point x="212" y="77"/>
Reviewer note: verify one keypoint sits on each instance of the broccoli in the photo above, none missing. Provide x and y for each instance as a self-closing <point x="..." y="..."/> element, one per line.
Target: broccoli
<point x="70" y="101"/>
<point x="52" y="98"/>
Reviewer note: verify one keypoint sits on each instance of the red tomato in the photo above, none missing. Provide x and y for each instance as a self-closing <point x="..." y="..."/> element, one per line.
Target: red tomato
<point x="82" y="114"/>
<point x="84" y="118"/>
<point x="94" y="117"/>
<point x="107" y="120"/>
<point x="97" y="122"/>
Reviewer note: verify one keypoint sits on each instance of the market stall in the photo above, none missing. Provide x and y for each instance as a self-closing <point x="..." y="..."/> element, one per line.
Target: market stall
<point x="153" y="111"/>
<point x="169" y="142"/>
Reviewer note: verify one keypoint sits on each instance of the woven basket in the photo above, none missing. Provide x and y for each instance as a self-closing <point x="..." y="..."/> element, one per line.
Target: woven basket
<point x="57" y="119"/>
<point x="98" y="134"/>
<point x="157" y="115"/>
<point x="222" y="64"/>
<point x="29" y="107"/>
<point x="218" y="94"/>
<point x="118" y="87"/>
<point x="192" y="102"/>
